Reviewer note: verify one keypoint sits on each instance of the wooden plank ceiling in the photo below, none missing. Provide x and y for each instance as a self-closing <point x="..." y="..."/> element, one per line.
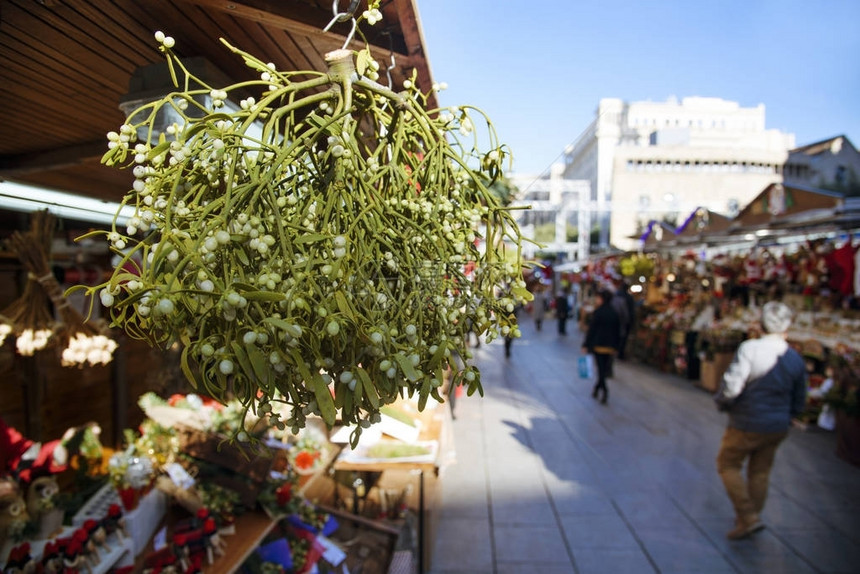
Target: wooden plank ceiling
<point x="66" y="64"/>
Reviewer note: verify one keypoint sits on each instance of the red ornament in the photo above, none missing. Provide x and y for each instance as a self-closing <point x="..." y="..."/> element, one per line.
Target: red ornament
<point x="284" y="494"/>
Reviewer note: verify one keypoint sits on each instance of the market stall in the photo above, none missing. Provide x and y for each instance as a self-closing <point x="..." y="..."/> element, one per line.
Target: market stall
<point x="183" y="492"/>
<point x="305" y="241"/>
<point x="701" y="290"/>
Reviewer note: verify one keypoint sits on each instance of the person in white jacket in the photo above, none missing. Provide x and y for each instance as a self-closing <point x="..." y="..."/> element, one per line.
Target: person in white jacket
<point x="762" y="390"/>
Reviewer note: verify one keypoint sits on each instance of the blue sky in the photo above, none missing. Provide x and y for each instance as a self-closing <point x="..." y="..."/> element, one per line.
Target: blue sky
<point x="539" y="68"/>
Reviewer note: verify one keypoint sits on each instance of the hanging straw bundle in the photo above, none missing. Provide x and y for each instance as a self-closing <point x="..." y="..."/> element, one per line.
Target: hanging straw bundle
<point x="30" y="316"/>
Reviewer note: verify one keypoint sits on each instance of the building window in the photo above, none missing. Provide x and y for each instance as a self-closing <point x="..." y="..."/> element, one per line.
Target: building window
<point x="840" y="174"/>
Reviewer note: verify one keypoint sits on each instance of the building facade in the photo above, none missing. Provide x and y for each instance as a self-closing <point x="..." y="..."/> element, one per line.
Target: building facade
<point x="553" y="199"/>
<point x="661" y="160"/>
<point x="832" y="164"/>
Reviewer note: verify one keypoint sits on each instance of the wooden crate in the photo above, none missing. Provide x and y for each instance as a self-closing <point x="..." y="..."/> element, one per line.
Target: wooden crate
<point x="241" y="459"/>
<point x="712" y="370"/>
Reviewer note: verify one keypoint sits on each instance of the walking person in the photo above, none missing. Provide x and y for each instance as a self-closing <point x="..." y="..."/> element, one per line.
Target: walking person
<point x="602" y="339"/>
<point x="562" y="310"/>
<point x="627" y="305"/>
<point x="509" y="338"/>
<point x="620" y="306"/>
<point x="763" y="388"/>
<point x="540" y="303"/>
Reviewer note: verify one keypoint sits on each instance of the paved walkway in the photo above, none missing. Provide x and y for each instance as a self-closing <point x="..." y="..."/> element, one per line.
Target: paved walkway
<point x="549" y="481"/>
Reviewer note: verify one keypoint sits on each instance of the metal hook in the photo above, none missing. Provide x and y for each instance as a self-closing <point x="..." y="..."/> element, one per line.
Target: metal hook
<point x="391" y="58"/>
<point x="343" y="17"/>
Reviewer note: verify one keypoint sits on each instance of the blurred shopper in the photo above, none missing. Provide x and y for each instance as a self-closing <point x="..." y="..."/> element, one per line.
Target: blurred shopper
<point x="509" y="338"/>
<point x="620" y="306"/>
<point x="575" y="299"/>
<point x="763" y="388"/>
<point x="602" y="339"/>
<point x="540" y="305"/>
<point x="627" y="311"/>
<point x="562" y="311"/>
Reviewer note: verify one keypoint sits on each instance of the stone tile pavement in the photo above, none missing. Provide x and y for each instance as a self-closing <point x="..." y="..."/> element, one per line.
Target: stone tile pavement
<point x="548" y="480"/>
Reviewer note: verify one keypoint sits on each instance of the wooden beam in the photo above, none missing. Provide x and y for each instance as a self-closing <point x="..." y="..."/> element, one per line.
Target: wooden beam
<point x="299" y="19"/>
<point x="291" y="16"/>
<point x="410" y="26"/>
<point x="23" y="164"/>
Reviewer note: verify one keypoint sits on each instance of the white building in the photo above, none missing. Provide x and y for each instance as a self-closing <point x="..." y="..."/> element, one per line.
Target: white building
<point x="554" y="199"/>
<point x="832" y="164"/>
<point x="652" y="160"/>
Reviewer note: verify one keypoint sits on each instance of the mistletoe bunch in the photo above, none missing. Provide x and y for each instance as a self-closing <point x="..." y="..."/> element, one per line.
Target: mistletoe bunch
<point x="326" y="243"/>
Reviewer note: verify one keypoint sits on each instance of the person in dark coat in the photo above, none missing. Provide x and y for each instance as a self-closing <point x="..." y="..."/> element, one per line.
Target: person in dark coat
<point x="509" y="338"/>
<point x="562" y="311"/>
<point x="629" y="306"/>
<point x="602" y="339"/>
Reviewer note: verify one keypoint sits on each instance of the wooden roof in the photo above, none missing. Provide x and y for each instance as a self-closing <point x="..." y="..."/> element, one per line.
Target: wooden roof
<point x="702" y="221"/>
<point x="658" y="233"/>
<point x="822" y="146"/>
<point x="778" y="202"/>
<point x="67" y="64"/>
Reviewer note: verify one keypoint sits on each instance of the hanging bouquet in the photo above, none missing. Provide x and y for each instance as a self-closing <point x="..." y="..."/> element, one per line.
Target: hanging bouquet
<point x="325" y="243"/>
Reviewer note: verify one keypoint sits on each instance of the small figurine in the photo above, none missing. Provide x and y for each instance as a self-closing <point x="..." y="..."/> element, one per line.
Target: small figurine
<point x="52" y="558"/>
<point x="96" y="532"/>
<point x="114" y="522"/>
<point x="20" y="561"/>
<point x="42" y="508"/>
<point x="73" y="557"/>
<point x="88" y="546"/>
<point x="13" y="510"/>
<point x="162" y="561"/>
<point x="204" y="540"/>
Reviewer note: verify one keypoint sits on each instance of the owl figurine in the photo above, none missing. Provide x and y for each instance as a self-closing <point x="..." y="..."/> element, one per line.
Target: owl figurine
<point x="13" y="511"/>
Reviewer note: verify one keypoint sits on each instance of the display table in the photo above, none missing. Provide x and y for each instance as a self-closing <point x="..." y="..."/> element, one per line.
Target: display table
<point x="251" y="529"/>
<point x="435" y="427"/>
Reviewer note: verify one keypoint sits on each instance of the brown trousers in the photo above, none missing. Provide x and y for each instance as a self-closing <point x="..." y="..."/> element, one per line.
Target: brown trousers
<point x="758" y="449"/>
